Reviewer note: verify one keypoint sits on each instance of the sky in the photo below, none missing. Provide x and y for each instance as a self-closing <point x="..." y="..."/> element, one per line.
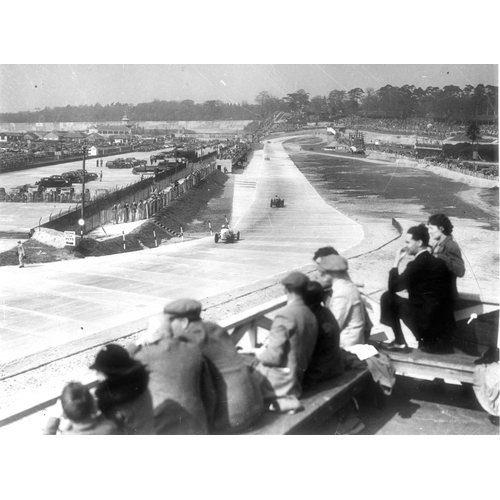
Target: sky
<point x="30" y="86"/>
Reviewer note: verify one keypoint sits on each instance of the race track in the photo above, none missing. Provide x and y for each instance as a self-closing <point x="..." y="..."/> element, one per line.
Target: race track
<point x="53" y="309"/>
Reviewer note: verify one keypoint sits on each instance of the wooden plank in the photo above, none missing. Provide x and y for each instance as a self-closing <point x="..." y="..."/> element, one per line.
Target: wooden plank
<point x="326" y="399"/>
<point x="457" y="367"/>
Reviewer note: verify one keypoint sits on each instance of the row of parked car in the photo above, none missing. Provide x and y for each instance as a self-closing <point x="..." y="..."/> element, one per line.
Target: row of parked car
<point x="125" y="163"/>
<point x="67" y="179"/>
<point x="60" y="183"/>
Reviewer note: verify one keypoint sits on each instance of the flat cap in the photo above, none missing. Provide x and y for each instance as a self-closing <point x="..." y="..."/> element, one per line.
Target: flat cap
<point x="295" y="279"/>
<point x="332" y="263"/>
<point x="183" y="308"/>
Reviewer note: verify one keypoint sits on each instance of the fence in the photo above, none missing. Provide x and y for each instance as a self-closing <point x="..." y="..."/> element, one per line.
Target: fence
<point x="138" y="201"/>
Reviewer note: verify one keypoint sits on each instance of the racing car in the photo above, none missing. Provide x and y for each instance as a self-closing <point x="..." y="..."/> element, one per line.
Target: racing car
<point x="277" y="202"/>
<point x="227" y="236"/>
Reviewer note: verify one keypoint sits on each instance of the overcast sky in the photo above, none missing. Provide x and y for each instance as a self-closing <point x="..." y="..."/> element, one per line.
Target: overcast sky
<point x="27" y="87"/>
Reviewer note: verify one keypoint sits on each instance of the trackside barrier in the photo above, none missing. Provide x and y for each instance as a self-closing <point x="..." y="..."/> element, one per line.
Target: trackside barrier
<point x="143" y="203"/>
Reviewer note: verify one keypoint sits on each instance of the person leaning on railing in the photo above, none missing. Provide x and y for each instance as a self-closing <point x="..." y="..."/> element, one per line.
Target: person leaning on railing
<point x="180" y="381"/>
<point x="238" y="399"/>
<point x="123" y="394"/>
<point x="281" y="361"/>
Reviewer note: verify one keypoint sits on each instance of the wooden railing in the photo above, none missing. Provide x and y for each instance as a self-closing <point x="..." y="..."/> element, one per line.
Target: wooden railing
<point x="237" y="326"/>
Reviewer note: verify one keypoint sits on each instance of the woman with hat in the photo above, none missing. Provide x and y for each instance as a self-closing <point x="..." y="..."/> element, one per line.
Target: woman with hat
<point x="123" y="394"/>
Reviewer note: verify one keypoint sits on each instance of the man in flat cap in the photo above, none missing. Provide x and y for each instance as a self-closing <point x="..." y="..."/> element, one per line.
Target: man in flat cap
<point x="345" y="302"/>
<point x="288" y="349"/>
<point x="238" y="399"/>
<point x="179" y="380"/>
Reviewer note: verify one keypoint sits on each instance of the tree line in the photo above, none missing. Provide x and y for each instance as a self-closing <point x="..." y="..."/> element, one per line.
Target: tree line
<point x="450" y="104"/>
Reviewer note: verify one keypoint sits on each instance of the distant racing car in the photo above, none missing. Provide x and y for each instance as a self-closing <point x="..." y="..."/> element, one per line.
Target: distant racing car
<point x="277" y="202"/>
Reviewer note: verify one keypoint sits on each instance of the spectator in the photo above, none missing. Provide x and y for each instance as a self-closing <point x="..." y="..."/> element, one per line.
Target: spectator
<point x="345" y="301"/>
<point x="288" y="349"/>
<point x="80" y="409"/>
<point x="180" y="381"/>
<point x="21" y="254"/>
<point x="123" y="393"/>
<point x="444" y="247"/>
<point x="238" y="400"/>
<point x="327" y="360"/>
<point x="428" y="310"/>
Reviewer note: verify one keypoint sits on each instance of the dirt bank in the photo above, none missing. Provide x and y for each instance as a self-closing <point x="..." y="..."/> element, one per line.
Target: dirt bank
<point x="191" y="211"/>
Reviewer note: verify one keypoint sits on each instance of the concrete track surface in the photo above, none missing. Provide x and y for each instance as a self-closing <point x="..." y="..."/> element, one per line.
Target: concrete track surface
<point x="50" y="309"/>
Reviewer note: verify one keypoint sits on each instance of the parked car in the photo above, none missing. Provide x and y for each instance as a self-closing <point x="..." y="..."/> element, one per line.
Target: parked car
<point x="89" y="176"/>
<point x="49" y="182"/>
<point x="71" y="176"/>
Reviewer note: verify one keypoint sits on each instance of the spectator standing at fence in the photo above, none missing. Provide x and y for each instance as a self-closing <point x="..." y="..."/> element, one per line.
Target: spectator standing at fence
<point x="21" y="254"/>
<point x="123" y="394"/>
<point x="238" y="399"/>
<point x="444" y="247"/>
<point x="120" y="213"/>
<point x="288" y="349"/>
<point x="126" y="212"/>
<point x="133" y="211"/>
<point x="77" y="414"/>
<point x="180" y="380"/>
<point x="114" y="214"/>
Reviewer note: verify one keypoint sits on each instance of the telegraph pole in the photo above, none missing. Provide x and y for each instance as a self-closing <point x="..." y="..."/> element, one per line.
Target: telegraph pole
<point x="82" y="217"/>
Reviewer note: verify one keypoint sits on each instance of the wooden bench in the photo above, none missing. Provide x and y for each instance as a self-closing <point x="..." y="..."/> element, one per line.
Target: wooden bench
<point x="454" y="368"/>
<point x="319" y="404"/>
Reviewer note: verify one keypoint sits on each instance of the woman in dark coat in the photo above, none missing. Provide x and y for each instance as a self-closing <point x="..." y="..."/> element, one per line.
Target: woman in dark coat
<point x="123" y="394"/>
<point x="327" y="360"/>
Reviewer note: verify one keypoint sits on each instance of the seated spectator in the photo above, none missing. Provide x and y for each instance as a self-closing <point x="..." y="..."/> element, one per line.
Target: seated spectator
<point x="80" y="409"/>
<point x="444" y="247"/>
<point x="179" y="380"/>
<point x="428" y="310"/>
<point x="327" y="360"/>
<point x="123" y="393"/>
<point x="288" y="350"/>
<point x="345" y="301"/>
<point x="238" y="400"/>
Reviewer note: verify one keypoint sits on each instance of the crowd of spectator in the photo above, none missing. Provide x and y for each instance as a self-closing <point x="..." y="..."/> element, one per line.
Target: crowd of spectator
<point x="184" y="375"/>
<point x="235" y="153"/>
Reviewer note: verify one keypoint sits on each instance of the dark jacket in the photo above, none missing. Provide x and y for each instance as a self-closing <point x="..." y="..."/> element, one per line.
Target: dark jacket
<point x="428" y="282"/>
<point x="327" y="360"/>
<point x="180" y="384"/>
<point x="126" y="399"/>
<point x="239" y="402"/>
